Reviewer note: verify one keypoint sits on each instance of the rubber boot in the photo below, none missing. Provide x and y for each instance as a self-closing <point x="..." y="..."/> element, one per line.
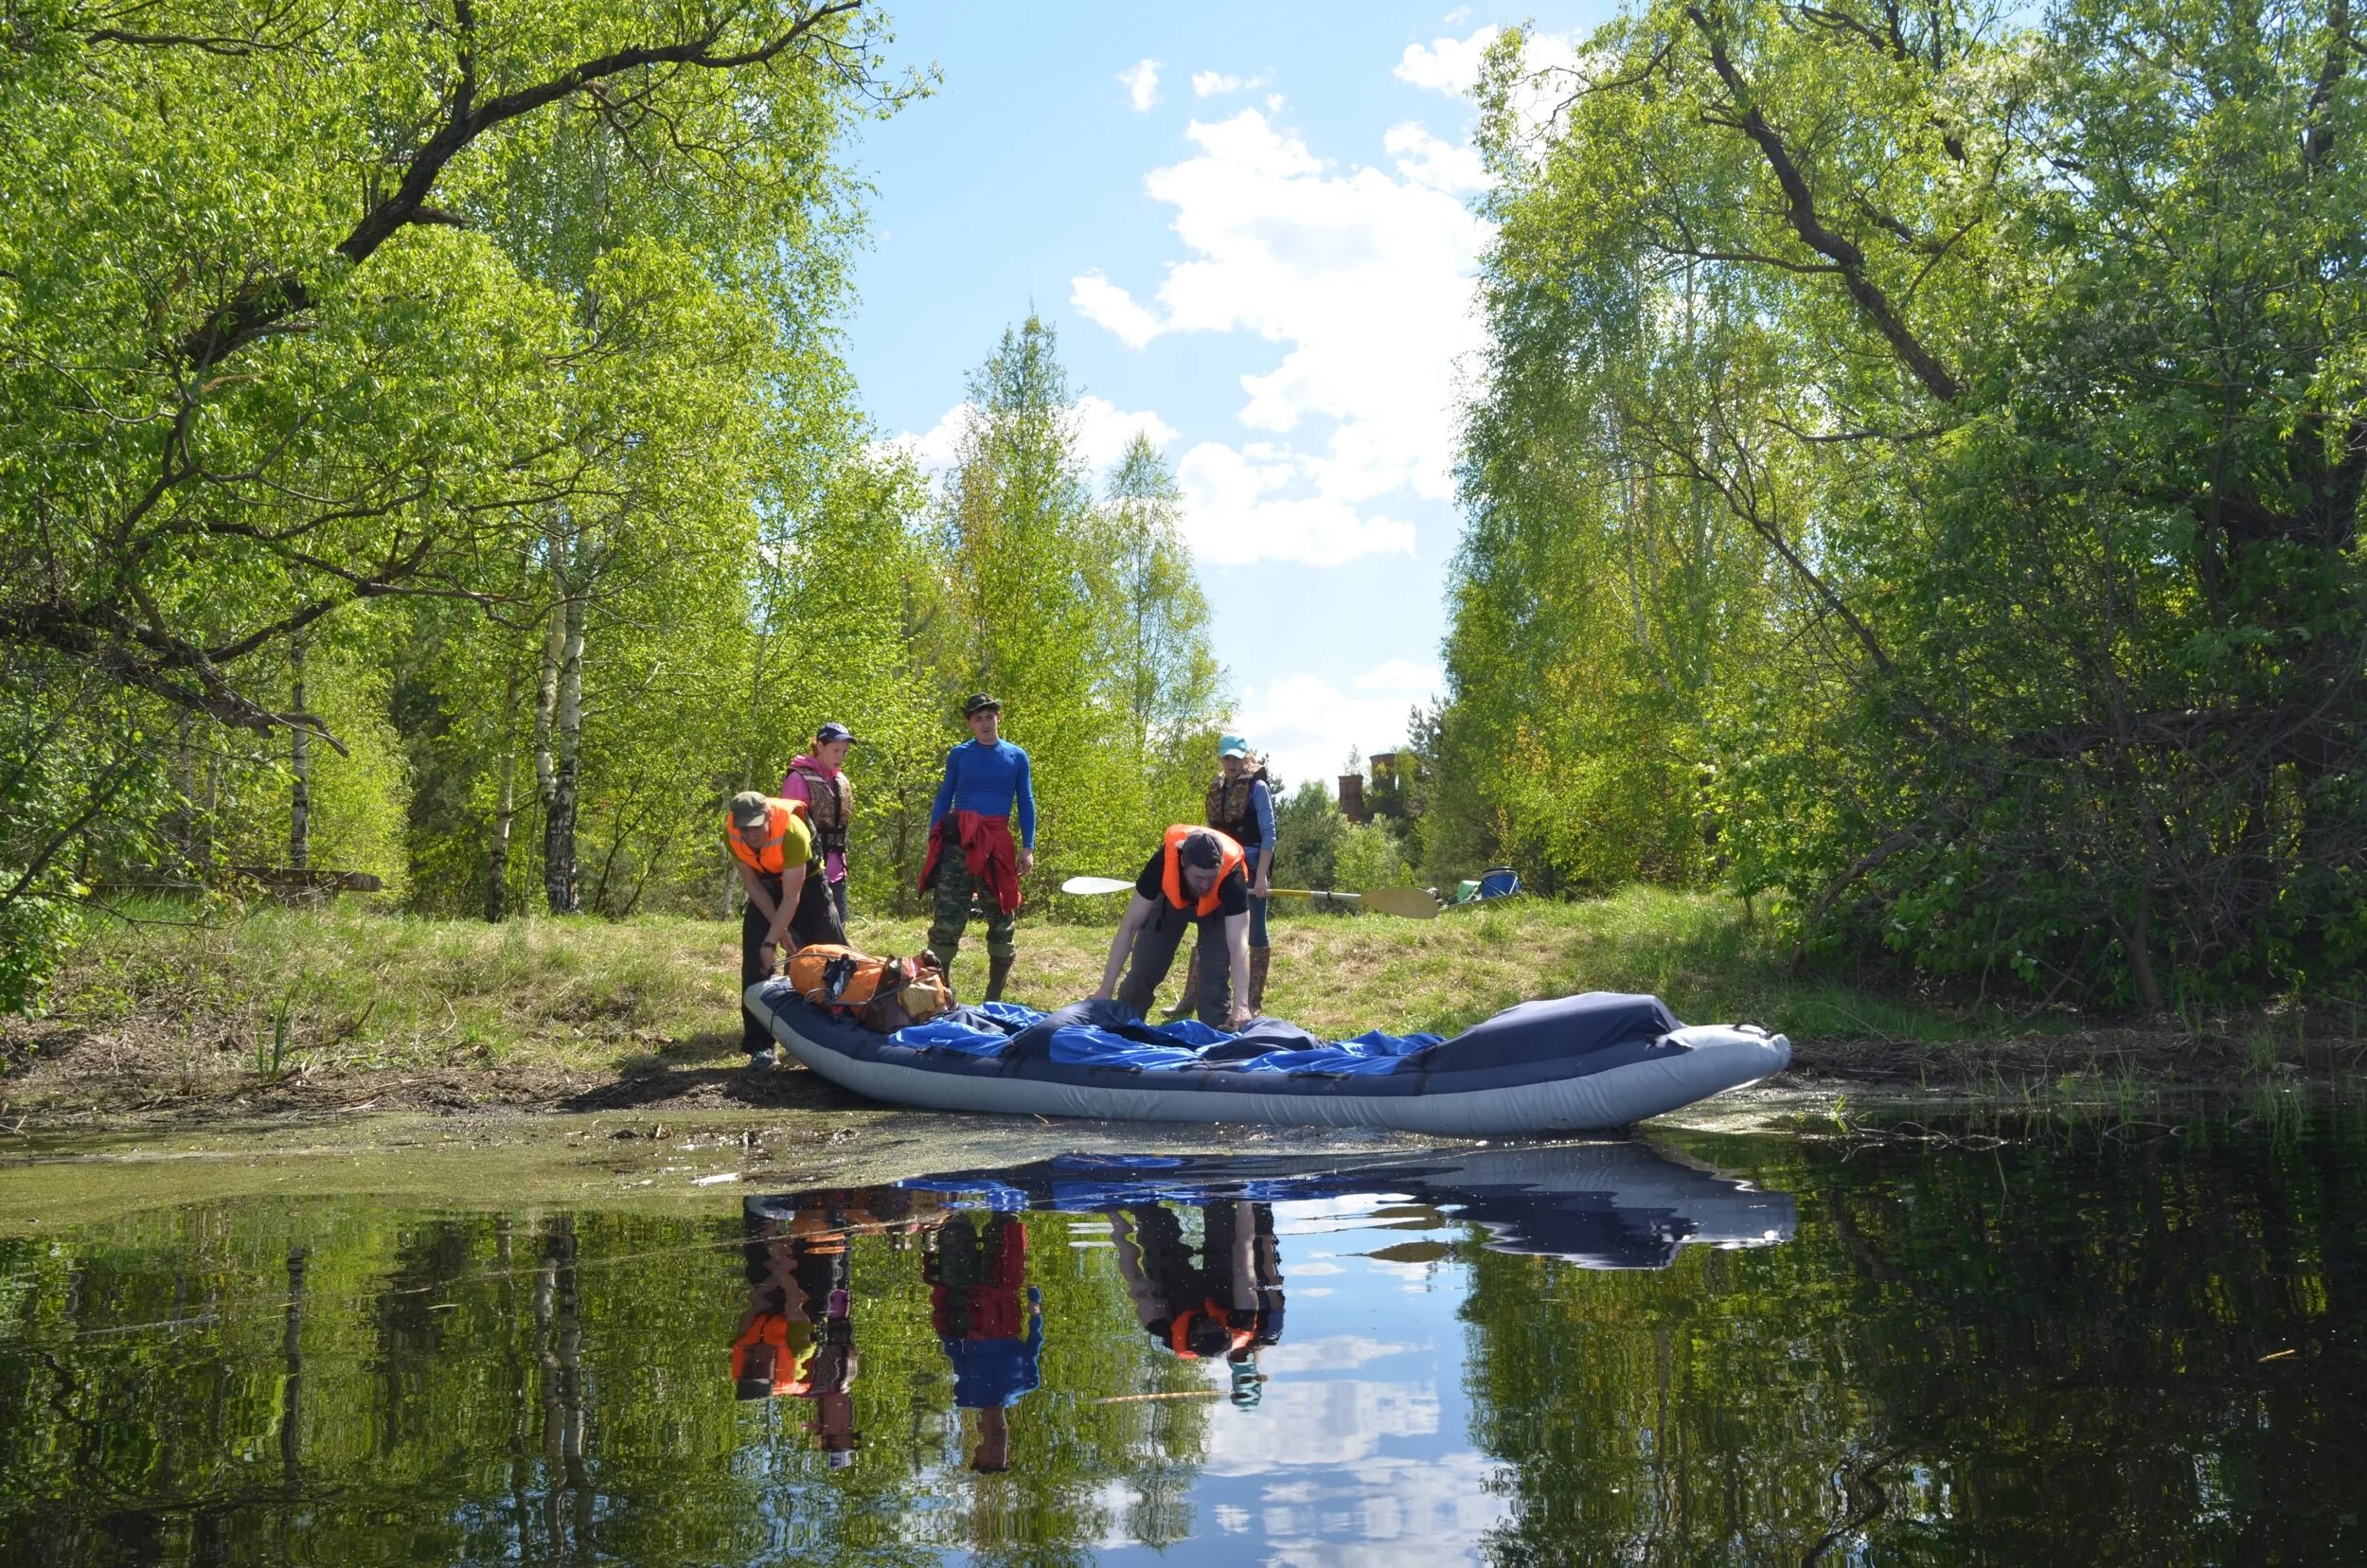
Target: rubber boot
<point x="1191" y="986"/>
<point x="998" y="970"/>
<point x="1258" y="960"/>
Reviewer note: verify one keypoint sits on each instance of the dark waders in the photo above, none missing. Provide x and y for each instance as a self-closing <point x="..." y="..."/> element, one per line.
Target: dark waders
<point x="1154" y="955"/>
<point x="815" y="919"/>
<point x="1260" y="957"/>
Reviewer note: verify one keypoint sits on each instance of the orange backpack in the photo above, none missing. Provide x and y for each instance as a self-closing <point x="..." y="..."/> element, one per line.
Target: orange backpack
<point x="882" y="994"/>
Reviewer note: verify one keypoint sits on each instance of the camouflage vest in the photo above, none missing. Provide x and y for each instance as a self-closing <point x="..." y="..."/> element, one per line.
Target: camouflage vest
<point x="1230" y="809"/>
<point x="828" y="807"/>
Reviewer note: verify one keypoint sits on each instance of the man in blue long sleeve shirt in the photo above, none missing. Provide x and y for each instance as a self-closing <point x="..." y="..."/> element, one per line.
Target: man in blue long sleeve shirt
<point x="971" y="846"/>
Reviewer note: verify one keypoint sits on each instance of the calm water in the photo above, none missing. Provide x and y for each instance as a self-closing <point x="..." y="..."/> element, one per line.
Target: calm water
<point x="2086" y="1344"/>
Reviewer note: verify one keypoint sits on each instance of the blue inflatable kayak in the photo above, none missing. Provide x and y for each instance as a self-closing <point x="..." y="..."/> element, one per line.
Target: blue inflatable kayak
<point x="1571" y="1064"/>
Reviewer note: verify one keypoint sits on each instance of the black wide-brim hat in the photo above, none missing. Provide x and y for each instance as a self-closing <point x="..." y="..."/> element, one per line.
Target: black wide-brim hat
<point x="980" y="704"/>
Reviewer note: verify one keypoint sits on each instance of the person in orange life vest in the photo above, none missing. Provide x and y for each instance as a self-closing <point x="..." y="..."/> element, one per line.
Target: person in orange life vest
<point x="792" y="1281"/>
<point x="788" y="904"/>
<point x="1195" y="880"/>
<point x="1229" y="1304"/>
<point x="817" y="778"/>
<point x="798" y="1337"/>
<point x="1240" y="805"/>
<point x="986" y="786"/>
<point x="989" y="1323"/>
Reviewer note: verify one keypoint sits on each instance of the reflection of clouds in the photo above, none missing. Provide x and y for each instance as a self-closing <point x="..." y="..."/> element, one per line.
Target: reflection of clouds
<point x="1415" y="1277"/>
<point x="1336" y="1353"/>
<point x="1302" y="1271"/>
<point x="1392" y="1507"/>
<point x="1321" y="1216"/>
<point x="1339" y="1422"/>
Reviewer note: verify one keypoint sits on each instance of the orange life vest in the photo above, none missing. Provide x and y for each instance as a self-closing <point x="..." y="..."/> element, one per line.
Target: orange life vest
<point x="786" y="1357"/>
<point x="1171" y="880"/>
<point x="1180" y="1330"/>
<point x="768" y="860"/>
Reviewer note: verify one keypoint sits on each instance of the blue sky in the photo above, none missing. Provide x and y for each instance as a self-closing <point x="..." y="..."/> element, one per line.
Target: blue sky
<point x="1251" y="227"/>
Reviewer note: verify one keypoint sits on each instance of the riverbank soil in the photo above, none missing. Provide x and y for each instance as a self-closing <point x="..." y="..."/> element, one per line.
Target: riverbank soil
<point x="350" y="1011"/>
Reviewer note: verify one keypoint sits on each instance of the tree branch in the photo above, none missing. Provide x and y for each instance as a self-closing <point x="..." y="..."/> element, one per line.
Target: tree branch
<point x="1801" y="211"/>
<point x="264" y="304"/>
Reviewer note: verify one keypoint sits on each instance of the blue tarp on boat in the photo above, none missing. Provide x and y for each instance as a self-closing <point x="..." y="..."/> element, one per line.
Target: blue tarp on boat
<point x="1108" y="1034"/>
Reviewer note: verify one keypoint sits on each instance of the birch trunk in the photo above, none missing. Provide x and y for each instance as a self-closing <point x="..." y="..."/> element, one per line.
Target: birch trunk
<point x="300" y="760"/>
<point x="505" y="810"/>
<point x="559" y="823"/>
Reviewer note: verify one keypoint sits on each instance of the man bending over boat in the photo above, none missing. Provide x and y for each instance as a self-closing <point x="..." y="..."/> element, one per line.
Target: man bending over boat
<point x="1197" y="878"/>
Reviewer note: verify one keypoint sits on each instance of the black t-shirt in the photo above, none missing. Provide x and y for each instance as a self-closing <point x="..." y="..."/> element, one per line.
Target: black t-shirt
<point x="1231" y="893"/>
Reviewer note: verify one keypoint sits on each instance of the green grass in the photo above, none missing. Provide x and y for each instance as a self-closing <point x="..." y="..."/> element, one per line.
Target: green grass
<point x="286" y="991"/>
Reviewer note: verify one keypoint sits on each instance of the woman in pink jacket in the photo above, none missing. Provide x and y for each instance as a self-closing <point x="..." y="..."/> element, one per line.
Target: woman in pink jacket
<point x="816" y="778"/>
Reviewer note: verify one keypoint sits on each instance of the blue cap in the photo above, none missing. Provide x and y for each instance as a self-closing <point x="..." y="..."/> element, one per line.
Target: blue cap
<point x="1232" y="745"/>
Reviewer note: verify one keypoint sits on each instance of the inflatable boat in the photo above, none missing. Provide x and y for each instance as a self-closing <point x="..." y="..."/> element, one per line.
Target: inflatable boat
<point x="1572" y="1064"/>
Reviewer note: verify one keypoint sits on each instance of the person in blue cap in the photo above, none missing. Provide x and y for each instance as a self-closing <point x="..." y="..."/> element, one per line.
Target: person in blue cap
<point x="1240" y="805"/>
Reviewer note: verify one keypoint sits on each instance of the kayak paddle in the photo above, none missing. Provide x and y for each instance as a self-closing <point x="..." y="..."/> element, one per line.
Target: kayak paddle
<point x="1413" y="904"/>
<point x="1096" y="884"/>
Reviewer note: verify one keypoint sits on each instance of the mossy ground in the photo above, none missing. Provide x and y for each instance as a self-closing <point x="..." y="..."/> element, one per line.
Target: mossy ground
<point x="324" y="1007"/>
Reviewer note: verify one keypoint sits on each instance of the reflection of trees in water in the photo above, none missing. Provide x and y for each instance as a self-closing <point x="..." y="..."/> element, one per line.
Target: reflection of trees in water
<point x="1953" y="1353"/>
<point x="2055" y="1351"/>
<point x="541" y="1389"/>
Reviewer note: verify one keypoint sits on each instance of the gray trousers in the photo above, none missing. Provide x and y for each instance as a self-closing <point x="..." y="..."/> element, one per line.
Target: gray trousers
<point x="1154" y="955"/>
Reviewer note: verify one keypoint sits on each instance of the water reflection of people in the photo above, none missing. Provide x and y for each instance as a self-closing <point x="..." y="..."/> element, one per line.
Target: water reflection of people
<point x="988" y="1320"/>
<point x="797" y="1339"/>
<point x="1227" y="1303"/>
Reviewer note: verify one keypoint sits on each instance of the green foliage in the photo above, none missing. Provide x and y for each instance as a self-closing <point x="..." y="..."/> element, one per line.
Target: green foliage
<point x="1309" y="829"/>
<point x="1081" y="616"/>
<point x="1368" y="857"/>
<point x="1919" y="471"/>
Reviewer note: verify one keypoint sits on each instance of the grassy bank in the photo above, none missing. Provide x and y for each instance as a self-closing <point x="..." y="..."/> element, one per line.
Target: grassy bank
<point x="351" y="1008"/>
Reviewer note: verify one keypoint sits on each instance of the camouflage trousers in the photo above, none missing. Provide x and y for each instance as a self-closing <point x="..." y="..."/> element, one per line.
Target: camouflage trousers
<point x="954" y="884"/>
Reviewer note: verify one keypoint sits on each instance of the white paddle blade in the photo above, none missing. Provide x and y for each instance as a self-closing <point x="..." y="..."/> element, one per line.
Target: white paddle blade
<point x="1413" y="904"/>
<point x="1096" y="884"/>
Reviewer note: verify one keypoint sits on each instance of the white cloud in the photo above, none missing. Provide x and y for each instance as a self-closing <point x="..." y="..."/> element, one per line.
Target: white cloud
<point x="1427" y="160"/>
<point x="1104" y="431"/>
<point x="1307" y="1423"/>
<point x="1142" y="85"/>
<point x="1403" y="675"/>
<point x="1105" y="304"/>
<point x="1234" y="514"/>
<point x="1101" y="429"/>
<point x="1332" y="1353"/>
<point x="1447" y="64"/>
<point x="1364" y="277"/>
<point x="1549" y="62"/>
<point x="1307" y="726"/>
<point x="1211" y="84"/>
<point x="933" y="451"/>
<point x="1394" y="1509"/>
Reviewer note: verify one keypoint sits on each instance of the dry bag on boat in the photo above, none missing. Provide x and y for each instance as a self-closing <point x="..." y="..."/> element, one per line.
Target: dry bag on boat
<point x="882" y="994"/>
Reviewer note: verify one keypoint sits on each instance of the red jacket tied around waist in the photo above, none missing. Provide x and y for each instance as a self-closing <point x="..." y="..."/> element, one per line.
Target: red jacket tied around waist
<point x="987" y="849"/>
